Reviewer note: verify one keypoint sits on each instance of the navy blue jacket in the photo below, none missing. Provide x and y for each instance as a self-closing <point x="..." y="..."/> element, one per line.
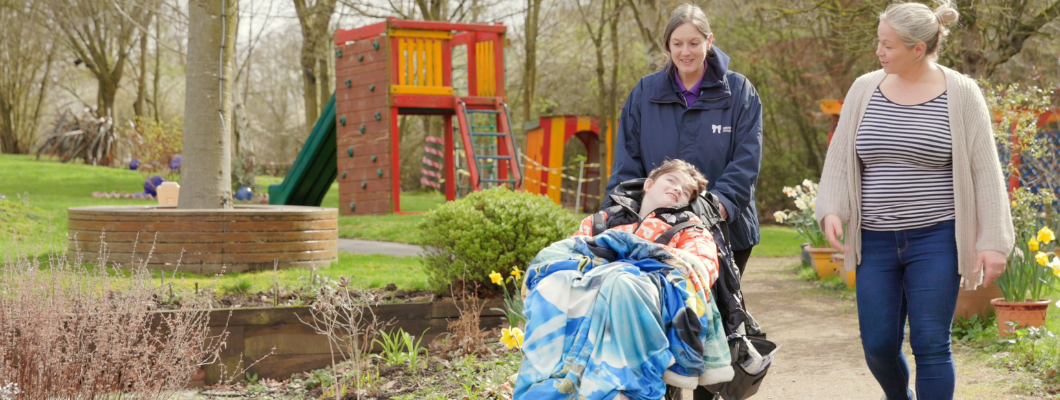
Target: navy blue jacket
<point x="721" y="134"/>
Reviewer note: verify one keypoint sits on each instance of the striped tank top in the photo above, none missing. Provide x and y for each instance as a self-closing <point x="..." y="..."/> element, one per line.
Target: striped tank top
<point x="907" y="164"/>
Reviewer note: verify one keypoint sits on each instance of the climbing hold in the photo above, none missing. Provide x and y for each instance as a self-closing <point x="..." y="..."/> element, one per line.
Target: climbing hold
<point x="375" y="44"/>
<point x="342" y="121"/>
<point x="353" y="207"/>
<point x="364" y="185"/>
<point x="348" y="83"/>
<point x="378" y="116"/>
<point x="360" y="57"/>
<point x="338" y="53"/>
<point x="343" y="175"/>
<point x="373" y="158"/>
<point x="379" y="172"/>
<point x="362" y="128"/>
<point x="349" y="152"/>
<point x="371" y="88"/>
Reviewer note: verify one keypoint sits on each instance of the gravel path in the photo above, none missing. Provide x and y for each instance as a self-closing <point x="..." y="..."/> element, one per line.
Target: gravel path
<point x="822" y="356"/>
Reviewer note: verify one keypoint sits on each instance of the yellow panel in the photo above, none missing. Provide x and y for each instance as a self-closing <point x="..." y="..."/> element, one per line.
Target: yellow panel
<point x="491" y="77"/>
<point x="419" y="63"/>
<point x="428" y="90"/>
<point x="533" y="152"/>
<point x="584" y="124"/>
<point x="418" y="33"/>
<point x="428" y="65"/>
<point x="422" y="67"/>
<point x="403" y="61"/>
<point x="555" y="156"/>
<point x="610" y="148"/>
<point x="437" y="63"/>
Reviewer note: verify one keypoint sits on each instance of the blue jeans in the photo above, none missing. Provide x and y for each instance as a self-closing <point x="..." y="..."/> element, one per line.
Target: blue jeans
<point x="909" y="272"/>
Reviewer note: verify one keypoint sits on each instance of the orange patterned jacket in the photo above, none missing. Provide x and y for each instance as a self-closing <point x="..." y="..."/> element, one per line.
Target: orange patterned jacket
<point x="693" y="240"/>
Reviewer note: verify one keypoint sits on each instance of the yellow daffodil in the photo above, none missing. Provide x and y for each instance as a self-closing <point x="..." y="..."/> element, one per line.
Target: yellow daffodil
<point x="1013" y="203"/>
<point x="496" y="277"/>
<point x="517" y="273"/>
<point x="1046" y="235"/>
<point x="1041" y="258"/>
<point x="513" y="337"/>
<point x="1033" y="244"/>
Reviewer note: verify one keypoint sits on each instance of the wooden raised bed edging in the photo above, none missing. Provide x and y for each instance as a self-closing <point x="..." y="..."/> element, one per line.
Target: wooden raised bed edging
<point x="245" y="238"/>
<point x="255" y="332"/>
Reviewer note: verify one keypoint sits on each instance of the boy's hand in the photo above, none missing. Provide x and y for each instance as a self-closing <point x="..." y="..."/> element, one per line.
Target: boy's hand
<point x="721" y="208"/>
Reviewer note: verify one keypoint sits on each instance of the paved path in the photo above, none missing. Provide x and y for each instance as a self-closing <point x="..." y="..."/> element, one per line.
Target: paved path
<point x="358" y="246"/>
<point x="822" y="356"/>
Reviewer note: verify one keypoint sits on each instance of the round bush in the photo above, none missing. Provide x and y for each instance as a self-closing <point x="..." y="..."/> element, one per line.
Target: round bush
<point x="494" y="230"/>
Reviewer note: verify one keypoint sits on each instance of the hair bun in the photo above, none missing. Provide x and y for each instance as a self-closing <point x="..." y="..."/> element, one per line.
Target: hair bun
<point x="946" y="14"/>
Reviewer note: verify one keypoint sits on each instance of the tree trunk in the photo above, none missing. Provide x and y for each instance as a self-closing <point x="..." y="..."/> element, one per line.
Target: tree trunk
<point x="206" y="168"/>
<point x="530" y="65"/>
<point x="141" y="84"/>
<point x="158" y="71"/>
<point x="609" y="103"/>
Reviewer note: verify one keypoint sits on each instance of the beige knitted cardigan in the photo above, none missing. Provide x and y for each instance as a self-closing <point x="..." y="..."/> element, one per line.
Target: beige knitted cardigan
<point x="983" y="217"/>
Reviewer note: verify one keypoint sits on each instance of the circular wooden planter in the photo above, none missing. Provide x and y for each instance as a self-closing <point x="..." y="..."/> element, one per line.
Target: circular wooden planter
<point x="245" y="238"/>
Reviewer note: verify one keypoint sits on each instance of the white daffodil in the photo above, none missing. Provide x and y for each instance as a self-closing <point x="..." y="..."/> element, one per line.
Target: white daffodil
<point x="800" y="203"/>
<point x="807" y="183"/>
<point x="780" y="216"/>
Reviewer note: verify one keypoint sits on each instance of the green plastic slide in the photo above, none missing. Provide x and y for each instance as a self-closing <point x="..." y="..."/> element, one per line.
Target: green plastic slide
<point x="316" y="167"/>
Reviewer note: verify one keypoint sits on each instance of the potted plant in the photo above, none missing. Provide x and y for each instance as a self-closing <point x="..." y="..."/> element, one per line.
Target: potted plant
<point x="1033" y="270"/>
<point x="804" y="220"/>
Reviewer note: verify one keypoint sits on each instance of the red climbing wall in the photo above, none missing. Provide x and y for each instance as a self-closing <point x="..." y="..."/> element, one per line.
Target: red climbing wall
<point x="364" y="141"/>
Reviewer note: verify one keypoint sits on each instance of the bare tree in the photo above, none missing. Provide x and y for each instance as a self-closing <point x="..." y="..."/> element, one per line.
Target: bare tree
<point x="533" y="12"/>
<point x="28" y="52"/>
<point x="610" y="14"/>
<point x="206" y="170"/>
<point x="101" y="34"/>
<point x="315" y="20"/>
<point x="994" y="31"/>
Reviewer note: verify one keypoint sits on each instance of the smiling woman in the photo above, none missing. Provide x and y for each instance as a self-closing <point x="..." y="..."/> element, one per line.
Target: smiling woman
<point x="698" y="111"/>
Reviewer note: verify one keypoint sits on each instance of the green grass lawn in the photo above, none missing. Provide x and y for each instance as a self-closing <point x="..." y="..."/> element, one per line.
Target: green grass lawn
<point x="33" y="222"/>
<point x="778" y="241"/>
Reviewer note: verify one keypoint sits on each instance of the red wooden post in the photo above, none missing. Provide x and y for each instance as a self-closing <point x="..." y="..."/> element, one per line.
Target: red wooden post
<point x="448" y="160"/>
<point x="395" y="159"/>
<point x="498" y="64"/>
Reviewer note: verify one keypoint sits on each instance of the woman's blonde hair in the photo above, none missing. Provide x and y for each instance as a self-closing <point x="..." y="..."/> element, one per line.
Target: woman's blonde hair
<point x="915" y="23"/>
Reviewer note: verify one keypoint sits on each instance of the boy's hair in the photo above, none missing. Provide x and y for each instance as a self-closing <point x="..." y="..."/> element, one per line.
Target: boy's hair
<point x="699" y="183"/>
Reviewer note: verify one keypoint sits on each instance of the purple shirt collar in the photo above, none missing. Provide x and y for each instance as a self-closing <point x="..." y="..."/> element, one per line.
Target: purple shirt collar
<point x="692" y="93"/>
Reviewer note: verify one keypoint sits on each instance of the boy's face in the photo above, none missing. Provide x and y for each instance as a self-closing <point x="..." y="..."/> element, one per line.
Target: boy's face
<point x="668" y="190"/>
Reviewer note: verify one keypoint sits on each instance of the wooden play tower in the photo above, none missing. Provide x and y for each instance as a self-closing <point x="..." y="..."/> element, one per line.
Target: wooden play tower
<point x="403" y="67"/>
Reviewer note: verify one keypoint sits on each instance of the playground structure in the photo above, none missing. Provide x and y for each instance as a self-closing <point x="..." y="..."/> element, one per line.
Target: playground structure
<point x="545" y="158"/>
<point x="402" y="67"/>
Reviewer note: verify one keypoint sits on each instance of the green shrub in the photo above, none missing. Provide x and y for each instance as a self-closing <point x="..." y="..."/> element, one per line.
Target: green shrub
<point x="493" y="230"/>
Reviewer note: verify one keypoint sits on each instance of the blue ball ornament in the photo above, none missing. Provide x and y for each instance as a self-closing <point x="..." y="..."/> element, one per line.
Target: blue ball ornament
<point x="174" y="164"/>
<point x="244" y="193"/>
<point x="134" y="164"/>
<point x="151" y="184"/>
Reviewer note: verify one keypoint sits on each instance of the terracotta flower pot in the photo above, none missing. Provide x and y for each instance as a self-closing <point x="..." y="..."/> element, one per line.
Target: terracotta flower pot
<point x="976" y="302"/>
<point x="849" y="277"/>
<point x="1027" y="313"/>
<point x="822" y="261"/>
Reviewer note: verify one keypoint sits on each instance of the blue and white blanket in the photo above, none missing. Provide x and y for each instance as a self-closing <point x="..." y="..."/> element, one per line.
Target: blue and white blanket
<point x="632" y="324"/>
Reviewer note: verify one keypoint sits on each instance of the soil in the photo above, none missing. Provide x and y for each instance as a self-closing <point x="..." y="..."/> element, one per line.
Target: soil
<point x="822" y="357"/>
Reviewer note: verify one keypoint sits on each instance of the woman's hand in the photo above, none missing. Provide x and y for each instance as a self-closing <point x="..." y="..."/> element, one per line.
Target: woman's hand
<point x="833" y="230"/>
<point x="992" y="263"/>
<point x="721" y="210"/>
